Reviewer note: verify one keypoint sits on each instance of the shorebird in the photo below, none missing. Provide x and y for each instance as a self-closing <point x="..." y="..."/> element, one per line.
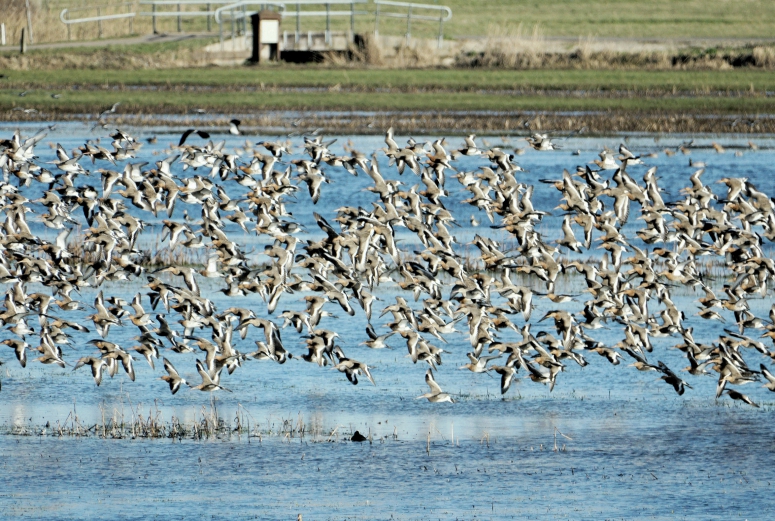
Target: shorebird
<point x="20" y="349"/>
<point x="736" y="395"/>
<point x="187" y="133"/>
<point x="770" y="385"/>
<point x="671" y="378"/>
<point x="478" y="365"/>
<point x="209" y="383"/>
<point x="395" y="232"/>
<point x="436" y="394"/>
<point x="96" y="364"/>
<point x="172" y="378"/>
<point x="376" y="341"/>
<point x="352" y="368"/>
<point x="507" y="373"/>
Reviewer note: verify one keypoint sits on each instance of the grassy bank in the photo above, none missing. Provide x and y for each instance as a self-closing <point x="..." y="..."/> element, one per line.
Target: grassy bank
<point x="184" y="99"/>
<point x="459" y="80"/>
<point x="246" y="90"/>
<point x="444" y="99"/>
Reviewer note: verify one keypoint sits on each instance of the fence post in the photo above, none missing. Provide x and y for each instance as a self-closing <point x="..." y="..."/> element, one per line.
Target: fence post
<point x="441" y="28"/>
<point x="328" y="24"/>
<point x="298" y="23"/>
<point x="2" y="33"/>
<point x="352" y="21"/>
<point x="153" y="17"/>
<point x="180" y="22"/>
<point x="99" y="23"/>
<point x="131" y="19"/>
<point x="209" y="21"/>
<point x="23" y="43"/>
<point x="408" y="24"/>
<point x="29" y="20"/>
<point x="376" y="22"/>
<point x="244" y="19"/>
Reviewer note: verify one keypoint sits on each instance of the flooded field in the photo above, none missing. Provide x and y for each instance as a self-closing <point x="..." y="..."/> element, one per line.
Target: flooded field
<point x="608" y="441"/>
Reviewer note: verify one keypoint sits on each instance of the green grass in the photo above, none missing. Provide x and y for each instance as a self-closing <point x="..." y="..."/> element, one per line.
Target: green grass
<point x="458" y="80"/>
<point x="134" y="101"/>
<point x="617" y="18"/>
<point x="283" y="87"/>
<point x="570" y="18"/>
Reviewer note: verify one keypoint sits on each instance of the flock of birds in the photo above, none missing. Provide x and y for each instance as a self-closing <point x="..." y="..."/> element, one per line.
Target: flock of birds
<point x="629" y="286"/>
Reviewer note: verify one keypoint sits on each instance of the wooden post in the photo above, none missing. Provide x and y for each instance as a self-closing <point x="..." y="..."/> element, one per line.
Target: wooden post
<point x="153" y="17"/>
<point x="180" y="22"/>
<point x="99" y="23"/>
<point x="209" y="20"/>
<point x="23" y="43"/>
<point x="2" y="34"/>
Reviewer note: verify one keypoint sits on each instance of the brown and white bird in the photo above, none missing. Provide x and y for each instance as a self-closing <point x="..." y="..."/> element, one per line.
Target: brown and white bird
<point x="172" y="378"/>
<point x="435" y="395"/>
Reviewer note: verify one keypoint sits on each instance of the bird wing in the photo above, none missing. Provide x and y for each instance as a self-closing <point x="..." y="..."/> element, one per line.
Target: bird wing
<point x="435" y="389"/>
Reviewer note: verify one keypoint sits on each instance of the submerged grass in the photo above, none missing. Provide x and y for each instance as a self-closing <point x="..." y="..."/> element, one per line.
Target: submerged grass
<point x="126" y="420"/>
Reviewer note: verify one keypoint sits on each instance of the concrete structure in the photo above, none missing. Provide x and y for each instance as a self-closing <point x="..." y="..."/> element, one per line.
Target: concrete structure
<point x="266" y="36"/>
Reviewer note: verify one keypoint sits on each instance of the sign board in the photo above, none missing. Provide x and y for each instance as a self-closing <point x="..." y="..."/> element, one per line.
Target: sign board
<point x="270" y="31"/>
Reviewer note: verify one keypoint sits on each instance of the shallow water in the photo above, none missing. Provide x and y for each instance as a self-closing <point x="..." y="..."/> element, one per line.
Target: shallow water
<point x="634" y="449"/>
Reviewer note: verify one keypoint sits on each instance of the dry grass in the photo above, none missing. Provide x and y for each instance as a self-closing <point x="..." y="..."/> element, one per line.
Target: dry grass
<point x="84" y="254"/>
<point x="764" y="56"/>
<point x="515" y="50"/>
<point x="47" y="26"/>
<point x="512" y="48"/>
<point x="519" y="48"/>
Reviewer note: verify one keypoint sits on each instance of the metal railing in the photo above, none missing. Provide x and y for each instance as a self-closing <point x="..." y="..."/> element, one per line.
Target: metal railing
<point x="237" y="12"/>
<point x="99" y="18"/>
<point x="445" y="14"/>
<point x="328" y="13"/>
<point x="179" y="13"/>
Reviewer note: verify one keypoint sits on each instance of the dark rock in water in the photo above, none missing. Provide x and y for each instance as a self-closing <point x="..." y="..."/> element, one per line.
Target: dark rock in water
<point x="358" y="437"/>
